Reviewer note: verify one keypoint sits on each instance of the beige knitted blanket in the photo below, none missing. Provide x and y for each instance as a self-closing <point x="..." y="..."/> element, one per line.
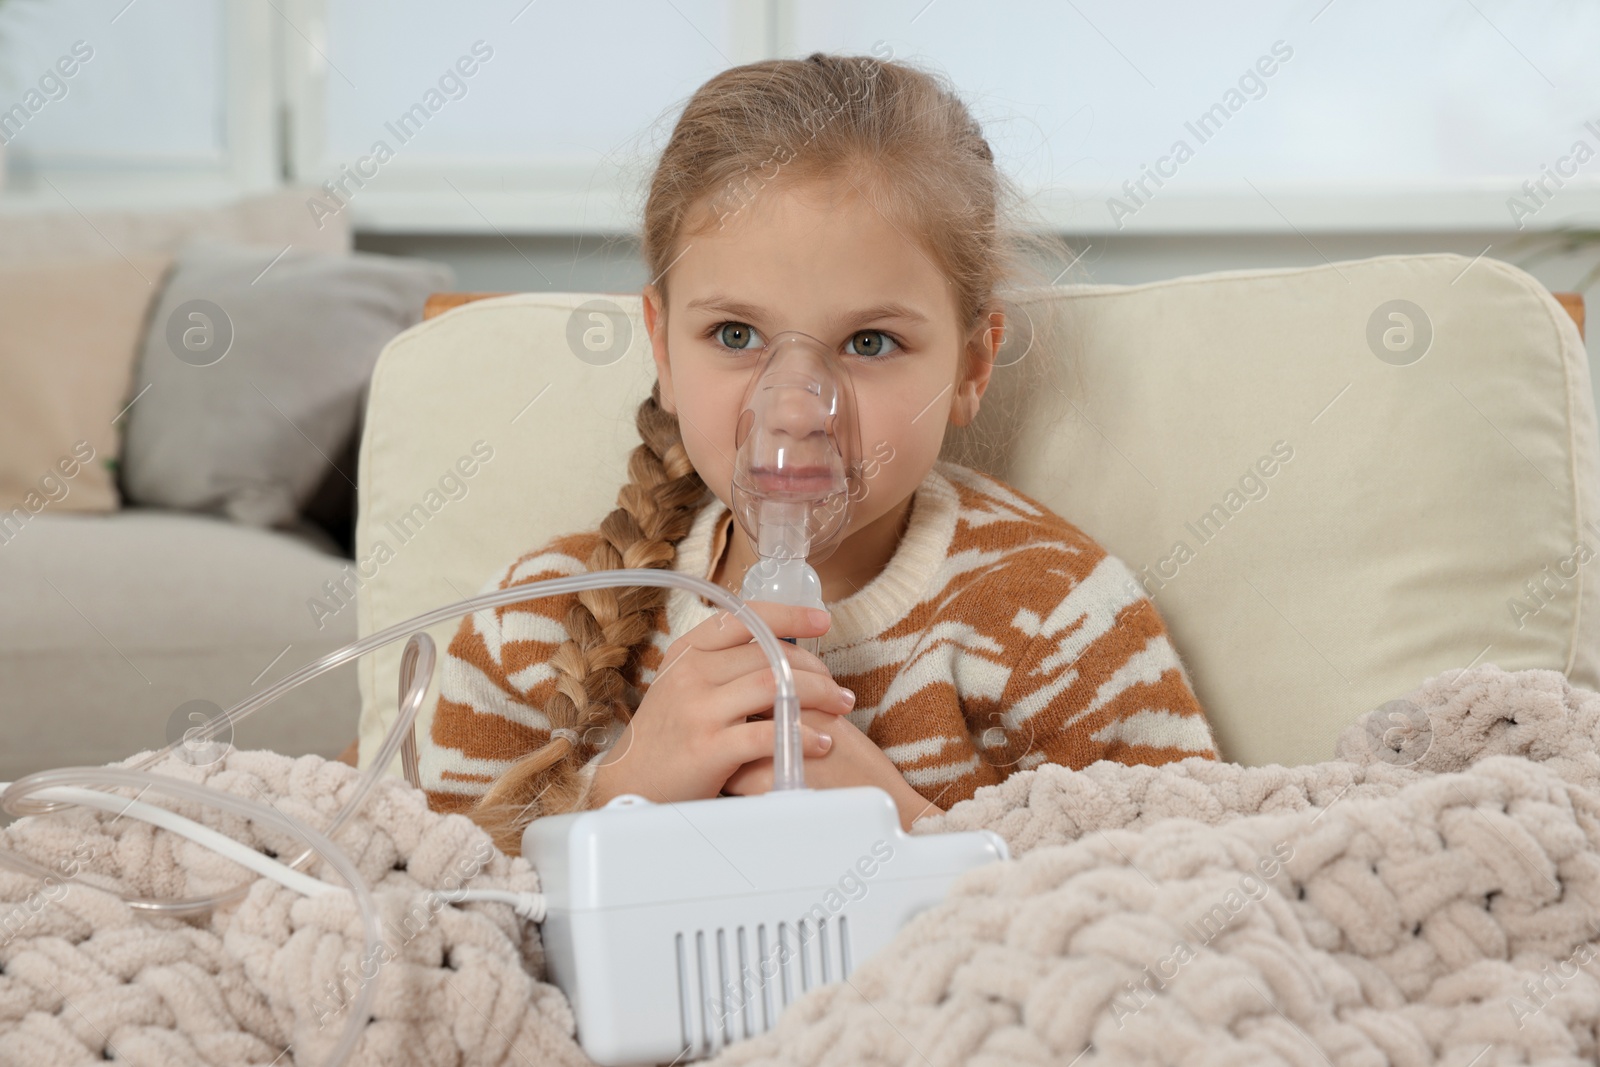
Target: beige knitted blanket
<point x="1429" y="897"/>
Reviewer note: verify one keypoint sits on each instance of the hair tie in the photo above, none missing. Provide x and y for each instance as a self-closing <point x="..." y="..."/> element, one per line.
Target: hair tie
<point x="567" y="732"/>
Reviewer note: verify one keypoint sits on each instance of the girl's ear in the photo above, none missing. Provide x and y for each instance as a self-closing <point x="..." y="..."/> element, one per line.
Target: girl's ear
<point x="655" y="324"/>
<point x="982" y="349"/>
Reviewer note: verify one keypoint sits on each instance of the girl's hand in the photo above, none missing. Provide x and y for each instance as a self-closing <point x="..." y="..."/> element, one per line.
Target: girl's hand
<point x="693" y="729"/>
<point x="853" y="759"/>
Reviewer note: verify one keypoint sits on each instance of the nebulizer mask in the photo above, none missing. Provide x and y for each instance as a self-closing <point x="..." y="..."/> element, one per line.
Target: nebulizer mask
<point x="797" y="469"/>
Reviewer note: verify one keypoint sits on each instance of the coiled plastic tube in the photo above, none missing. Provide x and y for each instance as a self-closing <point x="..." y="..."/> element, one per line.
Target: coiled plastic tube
<point x="332" y="854"/>
<point x="416" y="670"/>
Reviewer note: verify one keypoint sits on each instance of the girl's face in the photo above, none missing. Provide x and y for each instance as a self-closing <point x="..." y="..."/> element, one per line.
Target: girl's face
<point x="821" y="259"/>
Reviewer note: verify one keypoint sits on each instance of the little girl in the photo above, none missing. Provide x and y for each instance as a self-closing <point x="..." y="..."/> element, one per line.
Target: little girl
<point x="970" y="631"/>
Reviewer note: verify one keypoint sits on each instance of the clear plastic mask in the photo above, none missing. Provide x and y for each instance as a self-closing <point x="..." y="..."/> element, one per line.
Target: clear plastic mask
<point x="797" y="470"/>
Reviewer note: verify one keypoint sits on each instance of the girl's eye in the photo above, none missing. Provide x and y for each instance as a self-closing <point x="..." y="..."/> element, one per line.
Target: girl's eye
<point x="871" y="343"/>
<point x="738" y="336"/>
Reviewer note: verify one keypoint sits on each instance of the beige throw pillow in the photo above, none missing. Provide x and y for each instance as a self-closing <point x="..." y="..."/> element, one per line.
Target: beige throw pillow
<point x="69" y="333"/>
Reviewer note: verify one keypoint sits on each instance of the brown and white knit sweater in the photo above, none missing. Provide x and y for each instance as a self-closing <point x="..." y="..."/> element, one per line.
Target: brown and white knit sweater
<point x="999" y="636"/>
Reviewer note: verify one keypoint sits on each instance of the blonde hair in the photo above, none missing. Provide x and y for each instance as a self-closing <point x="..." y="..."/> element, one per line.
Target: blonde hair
<point x="903" y="137"/>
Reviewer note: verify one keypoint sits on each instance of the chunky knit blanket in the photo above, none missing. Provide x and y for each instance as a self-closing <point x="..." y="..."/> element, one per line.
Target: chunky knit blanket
<point x="1429" y="896"/>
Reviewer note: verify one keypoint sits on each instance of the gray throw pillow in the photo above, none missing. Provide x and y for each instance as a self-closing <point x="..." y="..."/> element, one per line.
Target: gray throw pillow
<point x="253" y="373"/>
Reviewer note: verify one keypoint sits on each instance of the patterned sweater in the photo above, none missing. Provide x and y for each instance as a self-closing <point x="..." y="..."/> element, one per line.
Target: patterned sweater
<point x="998" y="637"/>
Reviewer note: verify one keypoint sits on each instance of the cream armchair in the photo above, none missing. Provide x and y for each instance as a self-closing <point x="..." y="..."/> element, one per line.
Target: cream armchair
<point x="1333" y="481"/>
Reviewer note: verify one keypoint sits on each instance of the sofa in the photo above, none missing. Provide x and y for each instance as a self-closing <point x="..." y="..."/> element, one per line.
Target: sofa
<point x="1332" y="481"/>
<point x="127" y="622"/>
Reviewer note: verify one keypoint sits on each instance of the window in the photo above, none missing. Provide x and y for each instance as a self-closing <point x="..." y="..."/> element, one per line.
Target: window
<point x="169" y="101"/>
<point x="1236" y="115"/>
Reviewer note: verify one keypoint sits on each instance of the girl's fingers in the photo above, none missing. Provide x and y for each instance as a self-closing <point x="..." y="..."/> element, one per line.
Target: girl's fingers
<point x="756" y="693"/>
<point x="755" y="740"/>
<point x="841" y="706"/>
<point x="730" y="663"/>
<point x="726" y="630"/>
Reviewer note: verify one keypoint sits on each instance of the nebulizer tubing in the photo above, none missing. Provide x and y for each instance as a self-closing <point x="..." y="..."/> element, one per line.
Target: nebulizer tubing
<point x="336" y="857"/>
<point x="416" y="670"/>
<point x="792" y="364"/>
<point x="46" y="791"/>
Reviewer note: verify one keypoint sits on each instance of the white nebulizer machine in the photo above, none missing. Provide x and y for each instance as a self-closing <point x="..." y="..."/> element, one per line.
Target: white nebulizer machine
<point x="673" y="929"/>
